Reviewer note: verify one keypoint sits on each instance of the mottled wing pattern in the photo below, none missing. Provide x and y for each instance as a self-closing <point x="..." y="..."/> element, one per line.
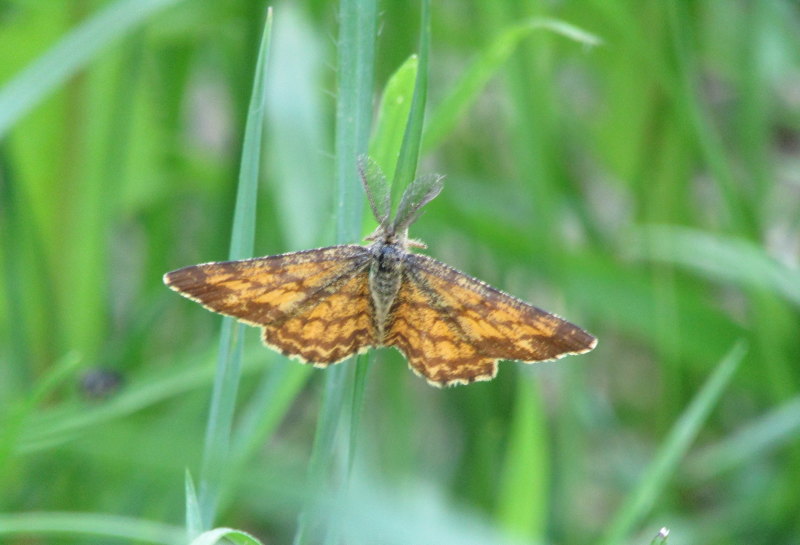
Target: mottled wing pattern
<point x="338" y="325"/>
<point x="453" y="328"/>
<point x="313" y="305"/>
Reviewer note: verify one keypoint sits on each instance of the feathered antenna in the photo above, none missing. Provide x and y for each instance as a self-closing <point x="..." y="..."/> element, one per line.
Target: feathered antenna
<point x="377" y="189"/>
<point x="418" y="193"/>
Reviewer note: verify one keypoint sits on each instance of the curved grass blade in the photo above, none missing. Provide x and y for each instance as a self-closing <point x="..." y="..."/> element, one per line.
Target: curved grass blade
<point x="194" y="519"/>
<point x="358" y="28"/>
<point x="225" y="535"/>
<point x="777" y="428"/>
<point x="392" y="117"/>
<point x="71" y="54"/>
<point x="643" y="497"/>
<point x="226" y="380"/>
<point x="718" y="257"/>
<point x="484" y="67"/>
<point x="89" y="524"/>
<point x="412" y="137"/>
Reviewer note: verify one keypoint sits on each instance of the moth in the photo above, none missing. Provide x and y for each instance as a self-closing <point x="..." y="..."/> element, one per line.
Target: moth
<point x="324" y="305"/>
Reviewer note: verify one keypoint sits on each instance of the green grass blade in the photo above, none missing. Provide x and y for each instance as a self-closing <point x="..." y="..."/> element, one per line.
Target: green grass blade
<point x="225" y="535"/>
<point x="412" y="137"/>
<point x="266" y="408"/>
<point x="644" y="496"/>
<point x="14" y="419"/>
<point x="466" y="90"/>
<point x="392" y="117"/>
<point x="708" y="139"/>
<point x="718" y="257"/>
<point x="71" y="54"/>
<point x="90" y="524"/>
<point x="194" y="519"/>
<point x="522" y="499"/>
<point x="661" y="537"/>
<point x="780" y="426"/>
<point x="226" y="381"/>
<point x="358" y="28"/>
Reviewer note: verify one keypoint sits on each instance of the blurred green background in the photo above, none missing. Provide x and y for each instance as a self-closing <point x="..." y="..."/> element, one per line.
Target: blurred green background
<point x="646" y="188"/>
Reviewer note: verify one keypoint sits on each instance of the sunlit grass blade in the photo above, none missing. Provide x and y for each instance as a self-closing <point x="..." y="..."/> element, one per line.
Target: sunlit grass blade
<point x="419" y="515"/>
<point x="522" y="499"/>
<point x="225" y="535"/>
<point x="740" y="216"/>
<point x="356" y="53"/>
<point x="719" y="257"/>
<point x="406" y="168"/>
<point x="71" y="54"/>
<point x="641" y="500"/>
<point x="13" y="419"/>
<point x="466" y="90"/>
<point x="54" y="524"/>
<point x="392" y="116"/>
<point x="226" y="381"/>
<point x="661" y="537"/>
<point x="194" y="519"/>
<point x="779" y="427"/>
<point x="266" y="408"/>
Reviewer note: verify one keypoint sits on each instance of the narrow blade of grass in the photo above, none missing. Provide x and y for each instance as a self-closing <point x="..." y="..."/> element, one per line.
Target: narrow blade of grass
<point x="484" y="67"/>
<point x="86" y="524"/>
<point x="661" y="537"/>
<point x="406" y="168"/>
<point x="226" y="380"/>
<point x="358" y="28"/>
<point x="392" y="117"/>
<point x="15" y="418"/>
<point x="643" y="497"/>
<point x="225" y="535"/>
<point x="778" y="427"/>
<point x="71" y="54"/>
<point x="522" y="500"/>
<point x="194" y="519"/>
<point x="719" y="257"/>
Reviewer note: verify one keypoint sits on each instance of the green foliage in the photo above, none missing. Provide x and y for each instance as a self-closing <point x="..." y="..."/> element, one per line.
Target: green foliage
<point x="627" y="165"/>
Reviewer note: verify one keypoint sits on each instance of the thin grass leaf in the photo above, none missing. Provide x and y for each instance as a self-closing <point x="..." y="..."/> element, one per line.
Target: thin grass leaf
<point x="266" y="408"/>
<point x="226" y="380"/>
<point x="224" y="535"/>
<point x="779" y="427"/>
<point x="14" y="419"/>
<point x="719" y="257"/>
<point x="406" y="168"/>
<point x="392" y="117"/>
<point x="358" y="28"/>
<point x="709" y="141"/>
<point x="49" y="429"/>
<point x="71" y="54"/>
<point x="194" y="519"/>
<point x="467" y="89"/>
<point x="374" y="512"/>
<point x="641" y="500"/>
<point x="522" y="497"/>
<point x="90" y="524"/>
<point x="661" y="537"/>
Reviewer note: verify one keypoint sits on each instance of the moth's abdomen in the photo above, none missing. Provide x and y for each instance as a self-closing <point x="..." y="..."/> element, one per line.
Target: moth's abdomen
<point x="385" y="275"/>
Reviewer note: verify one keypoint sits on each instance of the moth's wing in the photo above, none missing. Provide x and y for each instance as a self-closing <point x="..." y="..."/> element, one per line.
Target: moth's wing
<point x="453" y="328"/>
<point x="335" y="325"/>
<point x="288" y="295"/>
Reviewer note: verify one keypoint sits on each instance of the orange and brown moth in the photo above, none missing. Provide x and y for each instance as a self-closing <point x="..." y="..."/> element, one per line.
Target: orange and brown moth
<point x="324" y="305"/>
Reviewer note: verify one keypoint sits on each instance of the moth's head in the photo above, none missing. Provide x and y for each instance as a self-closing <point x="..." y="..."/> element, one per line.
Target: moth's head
<point x="419" y="192"/>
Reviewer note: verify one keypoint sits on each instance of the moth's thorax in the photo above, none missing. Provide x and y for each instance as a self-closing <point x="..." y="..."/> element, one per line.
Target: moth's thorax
<point x="385" y="276"/>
